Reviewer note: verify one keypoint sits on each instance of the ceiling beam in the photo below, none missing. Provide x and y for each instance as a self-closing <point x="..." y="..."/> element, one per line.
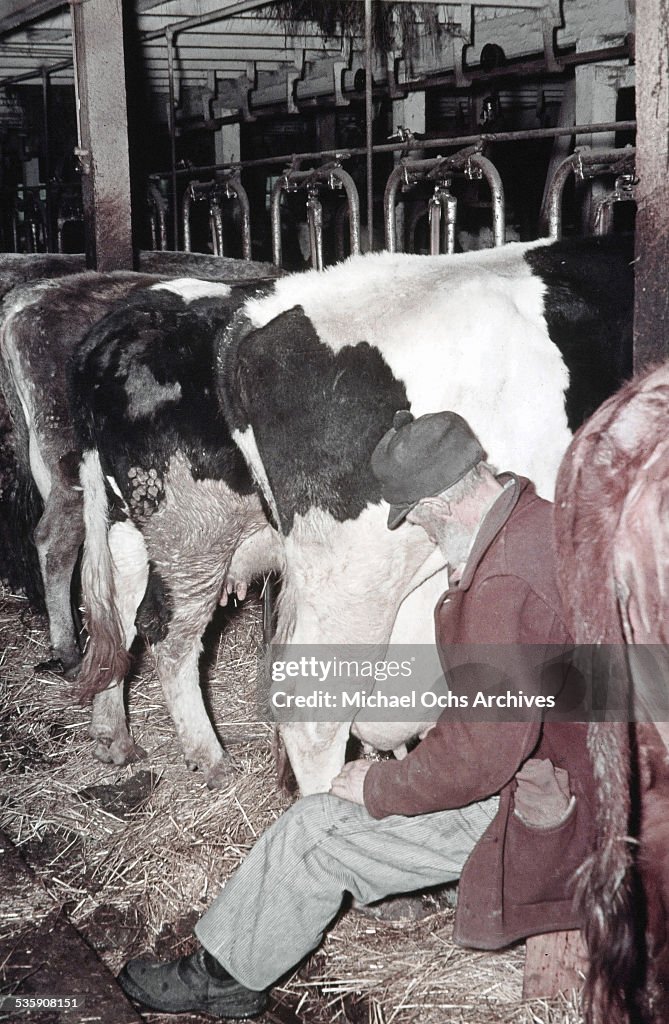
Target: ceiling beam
<point x="15" y="13"/>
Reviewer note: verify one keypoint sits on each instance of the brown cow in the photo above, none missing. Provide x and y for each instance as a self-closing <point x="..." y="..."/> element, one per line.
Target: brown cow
<point x="611" y="521"/>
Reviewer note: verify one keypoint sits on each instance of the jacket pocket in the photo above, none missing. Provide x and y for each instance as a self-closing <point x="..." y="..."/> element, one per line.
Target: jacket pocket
<point x="539" y="863"/>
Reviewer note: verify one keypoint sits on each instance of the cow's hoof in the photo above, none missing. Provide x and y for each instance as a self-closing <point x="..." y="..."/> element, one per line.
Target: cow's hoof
<point x="54" y="665"/>
<point x="117" y="751"/>
<point x="61" y="664"/>
<point x="219" y="776"/>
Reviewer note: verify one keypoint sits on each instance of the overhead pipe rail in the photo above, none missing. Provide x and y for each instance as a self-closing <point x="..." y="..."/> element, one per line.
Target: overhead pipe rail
<point x="331" y="175"/>
<point x="442" y="206"/>
<point x="456" y="142"/>
<point x="585" y="164"/>
<point x="213" y="192"/>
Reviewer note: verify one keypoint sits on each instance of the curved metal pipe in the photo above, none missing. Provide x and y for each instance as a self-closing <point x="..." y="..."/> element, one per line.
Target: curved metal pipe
<point x="395" y="178"/>
<point x="599" y="161"/>
<point x="353" y="203"/>
<point x="280" y="186"/>
<point x="243" y="200"/>
<point x="157" y="217"/>
<point x="555" y="192"/>
<point x="492" y="176"/>
<point x="186" y="204"/>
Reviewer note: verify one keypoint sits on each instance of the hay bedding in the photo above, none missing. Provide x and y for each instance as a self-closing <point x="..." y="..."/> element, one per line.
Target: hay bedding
<point x="135" y="854"/>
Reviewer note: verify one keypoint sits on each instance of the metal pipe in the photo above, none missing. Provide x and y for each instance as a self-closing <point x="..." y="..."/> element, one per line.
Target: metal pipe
<point x="235" y="190"/>
<point x="442" y="214"/>
<point x="169" y="39"/>
<point x="186" y="204"/>
<point x="395" y="177"/>
<point x="426" y="144"/>
<point x="369" y="122"/>
<point x="434" y="219"/>
<point x="157" y="210"/>
<point x="275" y="214"/>
<point x="205" y="19"/>
<point x="47" y="157"/>
<point x="492" y="176"/>
<point x="315" y="222"/>
<point x="26" y="76"/>
<point x="353" y="203"/>
<point x="607" y="161"/>
<point x="216" y="222"/>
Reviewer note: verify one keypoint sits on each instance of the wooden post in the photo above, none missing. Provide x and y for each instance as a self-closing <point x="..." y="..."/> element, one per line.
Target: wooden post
<point x="555" y="962"/>
<point x="651" y="308"/>
<point x="103" y="132"/>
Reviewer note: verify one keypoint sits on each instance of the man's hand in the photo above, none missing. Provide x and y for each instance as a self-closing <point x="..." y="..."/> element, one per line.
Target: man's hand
<point x="349" y="783"/>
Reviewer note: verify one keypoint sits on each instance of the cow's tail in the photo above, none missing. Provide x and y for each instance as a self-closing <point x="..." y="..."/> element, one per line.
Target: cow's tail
<point x="607" y="883"/>
<point x="106" y="660"/>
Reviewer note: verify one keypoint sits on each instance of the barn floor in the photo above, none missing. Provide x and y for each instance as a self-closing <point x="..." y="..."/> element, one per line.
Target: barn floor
<point x="134" y="855"/>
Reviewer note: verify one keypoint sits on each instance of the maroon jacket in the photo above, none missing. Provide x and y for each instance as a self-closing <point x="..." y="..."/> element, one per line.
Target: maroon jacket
<point x="518" y="880"/>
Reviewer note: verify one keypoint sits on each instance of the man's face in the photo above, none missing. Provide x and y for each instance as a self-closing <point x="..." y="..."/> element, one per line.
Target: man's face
<point x="445" y="528"/>
<point x="430" y="514"/>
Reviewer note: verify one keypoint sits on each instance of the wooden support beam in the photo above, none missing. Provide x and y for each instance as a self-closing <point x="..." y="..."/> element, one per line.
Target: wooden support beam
<point x="555" y="963"/>
<point x="103" y="133"/>
<point x="651" y="309"/>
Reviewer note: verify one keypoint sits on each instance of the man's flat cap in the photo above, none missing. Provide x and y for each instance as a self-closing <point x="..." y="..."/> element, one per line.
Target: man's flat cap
<point x="420" y="458"/>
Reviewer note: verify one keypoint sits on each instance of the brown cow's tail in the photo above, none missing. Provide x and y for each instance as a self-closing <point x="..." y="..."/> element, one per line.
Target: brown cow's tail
<point x="106" y="660"/>
<point x="607" y="884"/>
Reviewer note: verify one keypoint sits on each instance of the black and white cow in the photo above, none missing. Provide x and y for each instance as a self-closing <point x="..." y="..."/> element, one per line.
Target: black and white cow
<point x="42" y="328"/>
<point x="41" y="325"/>
<point x="19" y="568"/>
<point x="172" y="519"/>
<point x="525" y="341"/>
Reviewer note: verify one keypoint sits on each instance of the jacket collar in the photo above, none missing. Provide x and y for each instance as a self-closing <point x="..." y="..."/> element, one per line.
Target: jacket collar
<point x="495" y="518"/>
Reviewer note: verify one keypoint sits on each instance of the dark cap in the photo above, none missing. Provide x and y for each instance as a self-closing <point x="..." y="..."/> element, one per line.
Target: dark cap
<point x="420" y="458"/>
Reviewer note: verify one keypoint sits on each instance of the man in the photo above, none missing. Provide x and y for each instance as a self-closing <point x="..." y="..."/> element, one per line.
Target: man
<point x="504" y="806"/>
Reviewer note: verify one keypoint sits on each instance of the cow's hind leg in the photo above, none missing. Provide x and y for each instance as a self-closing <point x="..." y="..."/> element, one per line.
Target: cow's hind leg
<point x="108" y="727"/>
<point x="58" y="537"/>
<point x="191" y="593"/>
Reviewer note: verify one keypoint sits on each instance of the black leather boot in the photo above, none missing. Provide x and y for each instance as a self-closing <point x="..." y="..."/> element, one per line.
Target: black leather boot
<point x="196" y="982"/>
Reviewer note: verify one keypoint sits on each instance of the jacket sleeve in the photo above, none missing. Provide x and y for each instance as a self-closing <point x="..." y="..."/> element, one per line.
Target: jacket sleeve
<point x="460" y="761"/>
<point x="456" y="764"/>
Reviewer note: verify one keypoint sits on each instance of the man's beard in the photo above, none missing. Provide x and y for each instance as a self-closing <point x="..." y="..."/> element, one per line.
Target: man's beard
<point x="455" y="541"/>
